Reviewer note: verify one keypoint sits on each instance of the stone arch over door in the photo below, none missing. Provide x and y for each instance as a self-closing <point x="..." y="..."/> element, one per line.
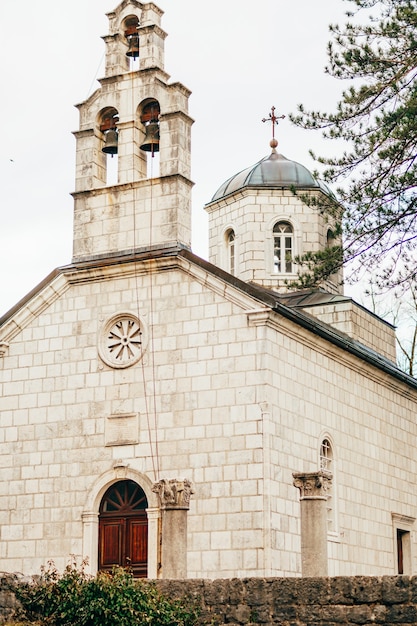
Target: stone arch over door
<point x="90" y="517"/>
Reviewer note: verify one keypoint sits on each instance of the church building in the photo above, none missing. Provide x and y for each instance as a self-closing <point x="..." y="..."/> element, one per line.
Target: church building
<point x="193" y="418"/>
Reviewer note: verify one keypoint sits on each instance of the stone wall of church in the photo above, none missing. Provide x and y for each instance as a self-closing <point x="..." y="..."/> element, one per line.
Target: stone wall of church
<point x="60" y="403"/>
<point x="316" y="391"/>
<point x="242" y="397"/>
<point x="359" y="324"/>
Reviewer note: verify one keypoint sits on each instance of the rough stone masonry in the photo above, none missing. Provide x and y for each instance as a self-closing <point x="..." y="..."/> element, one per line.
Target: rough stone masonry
<point x="388" y="600"/>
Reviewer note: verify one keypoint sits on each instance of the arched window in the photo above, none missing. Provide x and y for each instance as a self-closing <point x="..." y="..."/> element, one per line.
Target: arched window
<point x="326" y="455"/>
<point x="330" y="239"/>
<point x="283" y="248"/>
<point x="231" y="249"/>
<point x="328" y="465"/>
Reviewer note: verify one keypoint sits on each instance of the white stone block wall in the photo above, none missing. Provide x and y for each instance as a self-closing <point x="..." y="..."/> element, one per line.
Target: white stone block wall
<point x="239" y="407"/>
<point x="374" y="432"/>
<point x="359" y="324"/>
<point x="251" y="214"/>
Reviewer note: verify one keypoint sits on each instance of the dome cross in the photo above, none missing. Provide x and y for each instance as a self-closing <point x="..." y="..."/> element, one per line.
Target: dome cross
<point x="274" y="120"/>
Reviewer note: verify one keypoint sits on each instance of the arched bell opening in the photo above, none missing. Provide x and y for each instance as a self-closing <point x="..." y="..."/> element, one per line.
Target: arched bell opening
<point x="123" y="528"/>
<point x="149" y="114"/>
<point x="108" y="120"/>
<point x="131" y="33"/>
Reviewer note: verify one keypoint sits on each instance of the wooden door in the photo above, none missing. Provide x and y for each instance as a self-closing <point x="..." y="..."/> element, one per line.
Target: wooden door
<point x="137" y="545"/>
<point x="123" y="529"/>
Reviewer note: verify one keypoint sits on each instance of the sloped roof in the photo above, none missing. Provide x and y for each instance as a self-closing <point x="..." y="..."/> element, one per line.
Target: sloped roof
<point x="286" y="305"/>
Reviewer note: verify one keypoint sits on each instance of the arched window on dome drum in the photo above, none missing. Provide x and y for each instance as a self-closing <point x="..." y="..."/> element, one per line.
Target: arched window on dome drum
<point x="330" y="239"/>
<point x="283" y="248"/>
<point x="230" y="242"/>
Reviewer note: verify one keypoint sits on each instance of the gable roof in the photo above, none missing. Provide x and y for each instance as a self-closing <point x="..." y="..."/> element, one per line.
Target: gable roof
<point x="285" y="305"/>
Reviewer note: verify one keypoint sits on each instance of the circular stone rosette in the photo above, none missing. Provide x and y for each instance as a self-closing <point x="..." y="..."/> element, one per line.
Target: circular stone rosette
<point x="121" y="341"/>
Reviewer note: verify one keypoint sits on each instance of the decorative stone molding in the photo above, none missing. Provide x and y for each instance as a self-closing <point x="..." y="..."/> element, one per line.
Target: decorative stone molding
<point x="173" y="493"/>
<point x="313" y="485"/>
<point x="4" y="348"/>
<point x="120" y="468"/>
<point x="403" y="519"/>
<point x="259" y="317"/>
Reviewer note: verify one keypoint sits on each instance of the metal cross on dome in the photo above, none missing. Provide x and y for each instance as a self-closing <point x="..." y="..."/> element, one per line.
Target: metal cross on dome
<point x="274" y="119"/>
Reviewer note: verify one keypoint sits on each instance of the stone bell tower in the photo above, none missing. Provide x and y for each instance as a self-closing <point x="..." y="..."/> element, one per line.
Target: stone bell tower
<point x="135" y="119"/>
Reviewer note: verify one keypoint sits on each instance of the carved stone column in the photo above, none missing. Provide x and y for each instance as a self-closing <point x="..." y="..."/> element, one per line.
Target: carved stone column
<point x="313" y="488"/>
<point x="175" y="502"/>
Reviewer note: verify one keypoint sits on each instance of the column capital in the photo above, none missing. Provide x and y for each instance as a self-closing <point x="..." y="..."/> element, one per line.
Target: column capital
<point x="313" y="485"/>
<point x="174" y="493"/>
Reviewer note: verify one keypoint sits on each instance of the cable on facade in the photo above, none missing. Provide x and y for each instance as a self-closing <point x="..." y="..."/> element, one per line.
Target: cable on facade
<point x="154" y="448"/>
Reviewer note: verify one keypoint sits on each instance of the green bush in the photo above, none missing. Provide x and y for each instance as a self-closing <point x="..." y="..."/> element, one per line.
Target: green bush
<point x="117" y="599"/>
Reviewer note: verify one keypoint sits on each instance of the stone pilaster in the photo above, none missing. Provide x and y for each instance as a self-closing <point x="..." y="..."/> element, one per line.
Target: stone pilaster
<point x="175" y="497"/>
<point x="154" y="515"/>
<point x="313" y="488"/>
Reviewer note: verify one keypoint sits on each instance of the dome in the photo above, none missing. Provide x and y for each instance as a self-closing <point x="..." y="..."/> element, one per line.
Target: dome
<point x="272" y="172"/>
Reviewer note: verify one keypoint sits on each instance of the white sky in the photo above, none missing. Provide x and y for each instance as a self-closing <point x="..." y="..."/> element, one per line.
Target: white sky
<point x="238" y="57"/>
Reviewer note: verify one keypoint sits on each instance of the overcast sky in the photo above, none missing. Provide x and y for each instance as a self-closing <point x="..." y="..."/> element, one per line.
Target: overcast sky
<point x="237" y="57"/>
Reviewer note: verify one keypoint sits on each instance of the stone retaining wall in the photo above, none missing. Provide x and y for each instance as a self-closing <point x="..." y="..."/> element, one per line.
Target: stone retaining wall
<point x="9" y="606"/>
<point x="390" y="600"/>
<point x="302" y="601"/>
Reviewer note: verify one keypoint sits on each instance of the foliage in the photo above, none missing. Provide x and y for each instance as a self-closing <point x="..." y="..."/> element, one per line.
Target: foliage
<point x="77" y="599"/>
<point x="407" y="341"/>
<point x="401" y="311"/>
<point x="317" y="267"/>
<point x="376" y="121"/>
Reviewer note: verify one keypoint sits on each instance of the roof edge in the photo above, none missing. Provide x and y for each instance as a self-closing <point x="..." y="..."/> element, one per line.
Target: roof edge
<point x="270" y="299"/>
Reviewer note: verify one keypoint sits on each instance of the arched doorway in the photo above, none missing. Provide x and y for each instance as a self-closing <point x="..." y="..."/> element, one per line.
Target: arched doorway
<point x="123" y="528"/>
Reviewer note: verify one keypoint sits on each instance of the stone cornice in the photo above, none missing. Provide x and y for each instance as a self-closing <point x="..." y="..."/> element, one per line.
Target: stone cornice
<point x="175" y="114"/>
<point x="31" y="308"/>
<point x="108" y="268"/>
<point x="262" y="307"/>
<point x="148" y="28"/>
<point x="137" y="184"/>
<point x="335" y="345"/>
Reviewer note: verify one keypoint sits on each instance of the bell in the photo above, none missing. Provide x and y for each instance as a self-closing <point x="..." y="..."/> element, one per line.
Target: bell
<point x="151" y="141"/>
<point x="110" y="142"/>
<point x="133" y="50"/>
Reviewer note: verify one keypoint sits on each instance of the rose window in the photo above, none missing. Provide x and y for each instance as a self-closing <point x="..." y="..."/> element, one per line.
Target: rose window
<point x="121" y="341"/>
